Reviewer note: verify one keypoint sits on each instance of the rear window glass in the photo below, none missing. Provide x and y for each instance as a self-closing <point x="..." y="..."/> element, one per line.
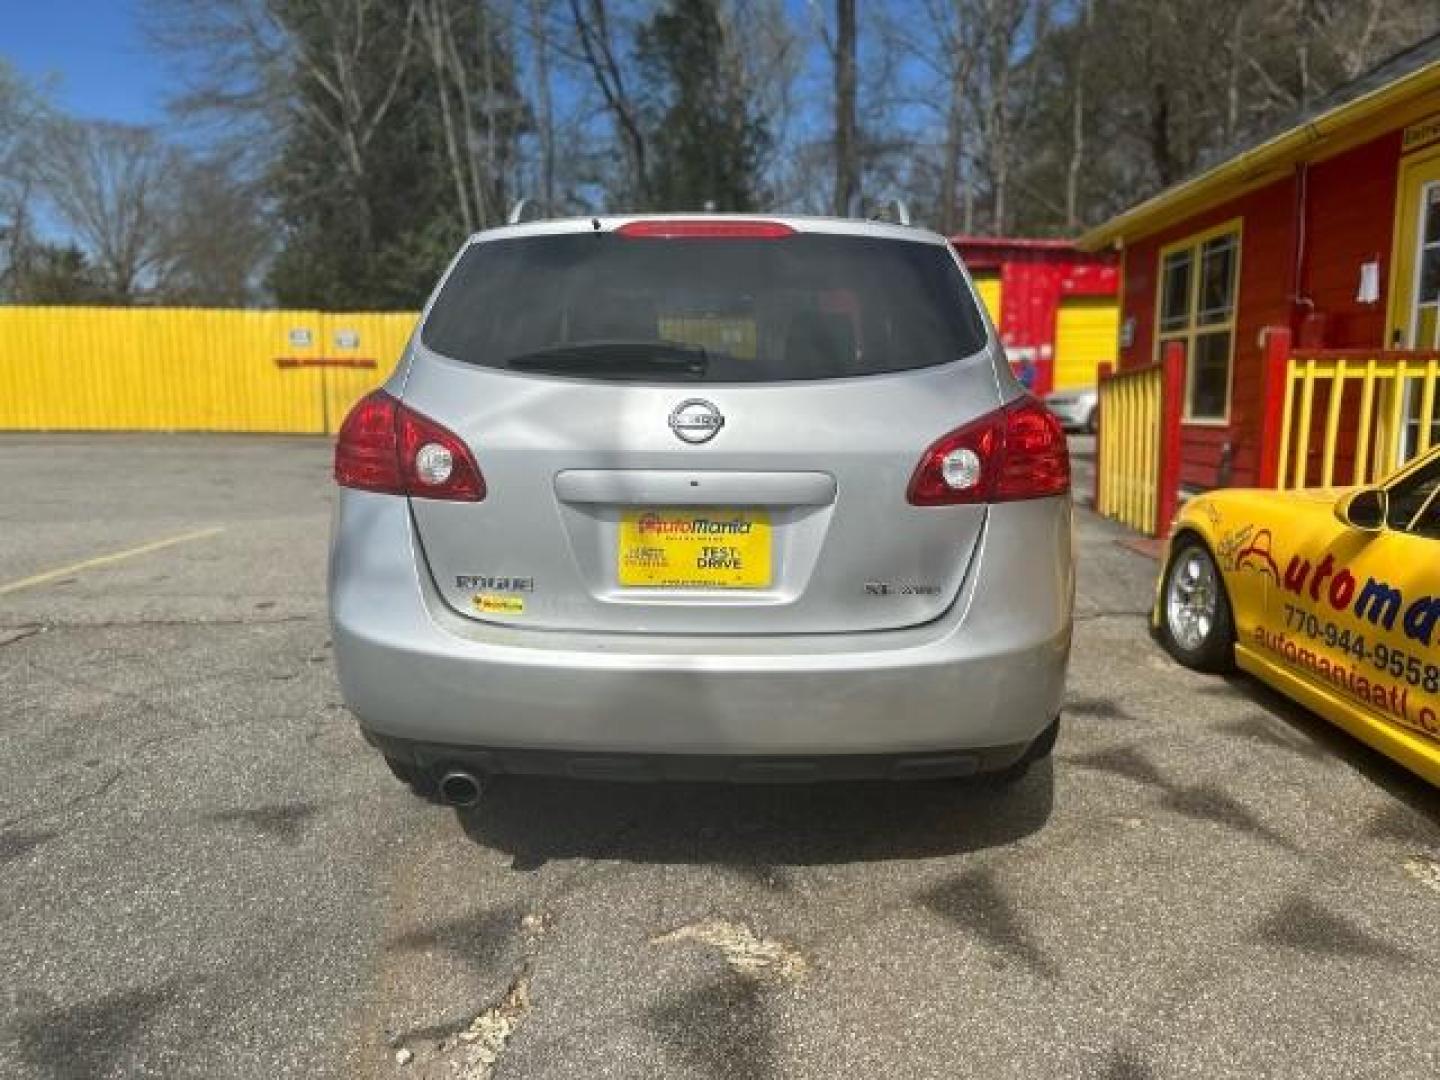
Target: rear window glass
<point x="808" y="306"/>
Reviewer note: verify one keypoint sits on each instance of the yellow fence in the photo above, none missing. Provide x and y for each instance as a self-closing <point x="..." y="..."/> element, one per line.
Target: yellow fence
<point x="1128" y="447"/>
<point x="1353" y="417"/>
<point x="189" y="369"/>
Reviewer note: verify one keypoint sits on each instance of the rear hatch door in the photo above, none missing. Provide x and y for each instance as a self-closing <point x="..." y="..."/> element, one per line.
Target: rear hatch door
<point x="701" y="434"/>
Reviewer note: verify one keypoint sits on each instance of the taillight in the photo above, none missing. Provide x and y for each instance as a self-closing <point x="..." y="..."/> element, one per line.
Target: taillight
<point x="718" y="228"/>
<point x="1017" y="452"/>
<point x="385" y="446"/>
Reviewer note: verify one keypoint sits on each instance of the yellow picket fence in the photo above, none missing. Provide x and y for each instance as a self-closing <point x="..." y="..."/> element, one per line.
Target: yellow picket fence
<point x="1128" y="449"/>
<point x="1355" y="415"/>
<point x="191" y="369"/>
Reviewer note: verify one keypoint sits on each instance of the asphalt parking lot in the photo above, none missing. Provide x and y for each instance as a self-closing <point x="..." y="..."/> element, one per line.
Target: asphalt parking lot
<point x="204" y="871"/>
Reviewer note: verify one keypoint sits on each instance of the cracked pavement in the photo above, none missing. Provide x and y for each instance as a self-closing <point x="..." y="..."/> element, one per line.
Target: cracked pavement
<point x="205" y="873"/>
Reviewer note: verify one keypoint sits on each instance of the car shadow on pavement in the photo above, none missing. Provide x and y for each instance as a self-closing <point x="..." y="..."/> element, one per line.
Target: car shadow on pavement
<point x="1314" y="737"/>
<point x="534" y="820"/>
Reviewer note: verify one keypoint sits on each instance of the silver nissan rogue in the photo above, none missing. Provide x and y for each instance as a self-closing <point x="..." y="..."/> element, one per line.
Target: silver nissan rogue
<point x="702" y="497"/>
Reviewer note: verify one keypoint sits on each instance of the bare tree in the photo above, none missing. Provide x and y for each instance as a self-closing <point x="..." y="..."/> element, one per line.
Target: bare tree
<point x="847" y="158"/>
<point x="215" y="238"/>
<point x="22" y="111"/>
<point x="990" y="115"/>
<point x="600" y="52"/>
<point x="1304" y="35"/>
<point x="954" y="148"/>
<point x="1078" y="88"/>
<point x="944" y="46"/>
<point x="483" y="142"/>
<point x="245" y="60"/>
<point x="763" y="55"/>
<point x="980" y="78"/>
<point x="342" y="69"/>
<point x="540" y="50"/>
<point x="110" y="184"/>
<point x="1010" y="27"/>
<point x="1336" y="40"/>
<point x="1235" y="68"/>
<point x="456" y="120"/>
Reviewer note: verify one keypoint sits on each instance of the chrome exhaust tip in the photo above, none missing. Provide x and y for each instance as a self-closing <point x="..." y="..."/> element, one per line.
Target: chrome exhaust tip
<point x="459" y="788"/>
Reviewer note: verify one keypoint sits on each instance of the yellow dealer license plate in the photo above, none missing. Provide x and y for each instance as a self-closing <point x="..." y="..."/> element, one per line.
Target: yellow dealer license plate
<point x="700" y="548"/>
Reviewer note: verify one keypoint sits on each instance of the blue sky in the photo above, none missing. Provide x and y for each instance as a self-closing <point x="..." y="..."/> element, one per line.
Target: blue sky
<point x="93" y="61"/>
<point x="93" y="55"/>
<point x="94" y="51"/>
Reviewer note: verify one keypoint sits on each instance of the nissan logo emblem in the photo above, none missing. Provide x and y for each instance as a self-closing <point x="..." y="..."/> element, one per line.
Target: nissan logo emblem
<point x="696" y="420"/>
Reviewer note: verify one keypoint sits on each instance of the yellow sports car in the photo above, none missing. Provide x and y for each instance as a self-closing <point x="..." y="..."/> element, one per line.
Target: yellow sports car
<point x="1332" y="597"/>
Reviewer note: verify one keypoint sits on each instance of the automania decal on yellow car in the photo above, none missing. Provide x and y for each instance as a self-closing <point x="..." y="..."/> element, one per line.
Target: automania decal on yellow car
<point x="1375" y="690"/>
<point x="1377" y="601"/>
<point x="1356" y="624"/>
<point x="1368" y="634"/>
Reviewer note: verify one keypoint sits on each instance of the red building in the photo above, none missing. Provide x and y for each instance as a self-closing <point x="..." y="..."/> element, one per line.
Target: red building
<point x="1053" y="304"/>
<point x="1330" y="228"/>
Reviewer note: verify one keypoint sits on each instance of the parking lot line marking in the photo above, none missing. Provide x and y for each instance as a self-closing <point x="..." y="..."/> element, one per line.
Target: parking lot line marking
<point x="105" y="560"/>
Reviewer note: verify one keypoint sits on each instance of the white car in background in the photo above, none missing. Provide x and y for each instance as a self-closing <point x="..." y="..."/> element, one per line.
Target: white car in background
<point x="1076" y="409"/>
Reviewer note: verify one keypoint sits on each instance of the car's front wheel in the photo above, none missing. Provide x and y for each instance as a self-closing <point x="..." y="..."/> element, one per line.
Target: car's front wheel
<point x="1196" y="626"/>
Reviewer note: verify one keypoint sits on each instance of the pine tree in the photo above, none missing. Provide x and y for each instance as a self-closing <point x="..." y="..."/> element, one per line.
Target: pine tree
<point x="707" y="139"/>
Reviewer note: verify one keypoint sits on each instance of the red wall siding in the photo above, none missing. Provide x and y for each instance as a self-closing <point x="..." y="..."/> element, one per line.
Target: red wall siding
<point x="1350" y="220"/>
<point x="1350" y="210"/>
<point x="1034" y="277"/>
<point x="1266" y="258"/>
<point x="1031" y="285"/>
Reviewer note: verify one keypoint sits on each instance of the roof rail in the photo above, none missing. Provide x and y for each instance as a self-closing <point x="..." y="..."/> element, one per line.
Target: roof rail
<point x="525" y="210"/>
<point x="895" y="211"/>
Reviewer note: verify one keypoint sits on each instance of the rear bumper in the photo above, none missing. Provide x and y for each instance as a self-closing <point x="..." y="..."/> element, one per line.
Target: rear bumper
<point x="986" y="677"/>
<point x="434" y="759"/>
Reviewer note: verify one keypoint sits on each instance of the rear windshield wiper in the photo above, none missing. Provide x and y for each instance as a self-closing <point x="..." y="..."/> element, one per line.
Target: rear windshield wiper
<point x="615" y="356"/>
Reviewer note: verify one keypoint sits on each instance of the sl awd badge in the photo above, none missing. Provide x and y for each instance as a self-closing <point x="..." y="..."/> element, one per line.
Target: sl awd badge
<point x="696" y="420"/>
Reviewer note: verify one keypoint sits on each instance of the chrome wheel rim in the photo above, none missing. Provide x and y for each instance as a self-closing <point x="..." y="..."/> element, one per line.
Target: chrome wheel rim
<point x="1191" y="599"/>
